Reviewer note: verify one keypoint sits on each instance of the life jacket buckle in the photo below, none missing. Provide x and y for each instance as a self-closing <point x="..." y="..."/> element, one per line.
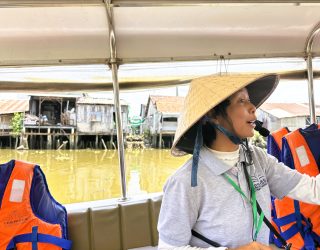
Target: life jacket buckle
<point x="288" y="246"/>
<point x="310" y="224"/>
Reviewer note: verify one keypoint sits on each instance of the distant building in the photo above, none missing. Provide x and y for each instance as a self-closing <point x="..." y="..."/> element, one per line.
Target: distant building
<point x="161" y="116"/>
<point x="7" y="110"/>
<point x="53" y="109"/>
<point x="143" y="108"/>
<point x="291" y="115"/>
<point x="69" y="121"/>
<point x="97" y="116"/>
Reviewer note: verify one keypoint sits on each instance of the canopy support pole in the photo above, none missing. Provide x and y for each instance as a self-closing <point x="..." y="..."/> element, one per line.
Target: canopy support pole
<point x="117" y="105"/>
<point x="308" y="51"/>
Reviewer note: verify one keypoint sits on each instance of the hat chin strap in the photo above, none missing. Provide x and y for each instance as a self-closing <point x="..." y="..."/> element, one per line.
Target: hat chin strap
<point x="232" y="137"/>
<point x="199" y="142"/>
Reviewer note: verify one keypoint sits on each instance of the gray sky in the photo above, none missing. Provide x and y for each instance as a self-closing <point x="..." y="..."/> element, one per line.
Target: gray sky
<point x="287" y="91"/>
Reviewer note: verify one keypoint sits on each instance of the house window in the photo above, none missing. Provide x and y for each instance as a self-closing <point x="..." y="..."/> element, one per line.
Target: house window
<point x="170" y="119"/>
<point x="96" y="116"/>
<point x="308" y="120"/>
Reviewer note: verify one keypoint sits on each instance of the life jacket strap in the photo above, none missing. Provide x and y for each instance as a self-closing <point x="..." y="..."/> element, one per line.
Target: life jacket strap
<point x="285" y="220"/>
<point x="290" y="232"/>
<point x="299" y="215"/>
<point x="316" y="238"/>
<point x="272" y="238"/>
<point x="36" y="237"/>
<point x="311" y="239"/>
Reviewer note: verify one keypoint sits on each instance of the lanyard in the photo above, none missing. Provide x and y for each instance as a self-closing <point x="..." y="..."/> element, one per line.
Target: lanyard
<point x="257" y="222"/>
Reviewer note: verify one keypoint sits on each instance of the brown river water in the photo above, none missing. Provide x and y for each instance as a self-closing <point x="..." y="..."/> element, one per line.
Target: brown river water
<point x="87" y="175"/>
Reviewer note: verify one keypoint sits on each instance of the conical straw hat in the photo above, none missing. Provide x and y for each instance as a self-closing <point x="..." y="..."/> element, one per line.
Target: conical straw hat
<point x="207" y="92"/>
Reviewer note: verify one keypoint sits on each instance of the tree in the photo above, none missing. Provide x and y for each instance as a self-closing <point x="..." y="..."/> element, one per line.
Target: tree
<point x="16" y="124"/>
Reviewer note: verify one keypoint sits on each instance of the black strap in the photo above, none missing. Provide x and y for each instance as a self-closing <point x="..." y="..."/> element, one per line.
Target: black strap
<point x="265" y="220"/>
<point x="200" y="236"/>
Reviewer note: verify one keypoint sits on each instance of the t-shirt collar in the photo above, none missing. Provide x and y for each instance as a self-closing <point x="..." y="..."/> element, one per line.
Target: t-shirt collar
<point x="215" y="165"/>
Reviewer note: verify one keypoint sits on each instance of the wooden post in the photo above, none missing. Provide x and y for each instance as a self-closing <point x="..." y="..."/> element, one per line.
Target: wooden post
<point x="31" y="140"/>
<point x="76" y="140"/>
<point x="111" y="140"/>
<point x="53" y="140"/>
<point x="72" y="139"/>
<point x="97" y="142"/>
<point x="23" y="139"/>
<point x="64" y="143"/>
<point x="154" y="141"/>
<point x="49" y="138"/>
<point x="160" y="140"/>
<point x="81" y="144"/>
<point x="104" y="145"/>
<point x="58" y="143"/>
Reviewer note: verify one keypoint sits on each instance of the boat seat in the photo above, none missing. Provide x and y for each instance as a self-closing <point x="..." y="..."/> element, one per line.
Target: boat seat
<point x="116" y="225"/>
<point x="119" y="225"/>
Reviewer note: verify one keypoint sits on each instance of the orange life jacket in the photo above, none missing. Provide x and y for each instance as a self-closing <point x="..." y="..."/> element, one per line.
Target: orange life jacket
<point x="274" y="148"/>
<point x="299" y="222"/>
<point x="278" y="134"/>
<point x="277" y="140"/>
<point x="22" y="223"/>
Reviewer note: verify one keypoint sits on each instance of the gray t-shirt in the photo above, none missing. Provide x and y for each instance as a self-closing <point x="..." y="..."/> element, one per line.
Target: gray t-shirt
<point x="214" y="208"/>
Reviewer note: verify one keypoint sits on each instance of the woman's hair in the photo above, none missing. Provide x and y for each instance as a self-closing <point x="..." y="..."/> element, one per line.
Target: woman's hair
<point x="208" y="131"/>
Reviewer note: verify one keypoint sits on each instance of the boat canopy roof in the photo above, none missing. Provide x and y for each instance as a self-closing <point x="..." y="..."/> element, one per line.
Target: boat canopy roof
<point x="57" y="32"/>
<point x="77" y="32"/>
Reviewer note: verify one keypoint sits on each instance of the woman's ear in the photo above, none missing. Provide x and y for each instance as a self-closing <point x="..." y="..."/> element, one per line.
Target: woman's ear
<point x="213" y="116"/>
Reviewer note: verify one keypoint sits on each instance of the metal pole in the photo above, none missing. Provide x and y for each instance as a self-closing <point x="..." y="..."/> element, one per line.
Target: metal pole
<point x="310" y="90"/>
<point x="114" y="69"/>
<point x="144" y="3"/>
<point x="140" y="3"/>
<point x="308" y="51"/>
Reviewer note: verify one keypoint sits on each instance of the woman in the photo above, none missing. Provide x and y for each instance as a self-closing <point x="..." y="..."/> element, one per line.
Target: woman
<point x="210" y="194"/>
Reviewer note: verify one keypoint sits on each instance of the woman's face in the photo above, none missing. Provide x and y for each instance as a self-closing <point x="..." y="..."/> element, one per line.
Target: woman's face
<point x="241" y="115"/>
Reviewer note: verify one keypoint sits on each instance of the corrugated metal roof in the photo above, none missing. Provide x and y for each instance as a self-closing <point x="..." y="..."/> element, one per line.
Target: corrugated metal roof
<point x="13" y="106"/>
<point x="168" y="104"/>
<point x="283" y="110"/>
<point x="91" y="100"/>
<point x="64" y="95"/>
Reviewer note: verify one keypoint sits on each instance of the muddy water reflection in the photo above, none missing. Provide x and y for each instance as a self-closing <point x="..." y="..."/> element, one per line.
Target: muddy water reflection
<point x="84" y="175"/>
